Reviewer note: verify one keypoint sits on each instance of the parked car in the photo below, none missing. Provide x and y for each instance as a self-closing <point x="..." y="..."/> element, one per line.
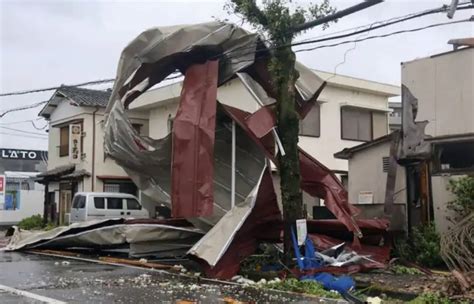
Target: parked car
<point x="103" y="205"/>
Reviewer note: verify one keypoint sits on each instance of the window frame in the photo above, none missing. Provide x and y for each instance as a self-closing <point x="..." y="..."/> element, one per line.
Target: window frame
<point x="436" y="159"/>
<point x="341" y="121"/>
<point x="103" y="202"/>
<point x="118" y="198"/>
<point x="135" y="200"/>
<point x="64" y="148"/>
<point x="318" y="105"/>
<point x="81" y="202"/>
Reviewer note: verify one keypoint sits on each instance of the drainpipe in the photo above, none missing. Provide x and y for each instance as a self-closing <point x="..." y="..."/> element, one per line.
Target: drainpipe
<point x="93" y="149"/>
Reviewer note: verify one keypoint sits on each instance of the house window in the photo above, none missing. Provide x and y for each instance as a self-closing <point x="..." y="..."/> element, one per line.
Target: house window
<point x="454" y="157"/>
<point x="356" y="124"/>
<point x="120" y="186"/>
<point x="311" y="124"/>
<point x="137" y="128"/>
<point x="345" y="181"/>
<point x="362" y="124"/>
<point x="170" y="123"/>
<point x="64" y="141"/>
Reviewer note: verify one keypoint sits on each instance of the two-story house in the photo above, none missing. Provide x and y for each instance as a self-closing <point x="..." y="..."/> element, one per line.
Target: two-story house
<point x="349" y="111"/>
<point x="77" y="161"/>
<point x="443" y="85"/>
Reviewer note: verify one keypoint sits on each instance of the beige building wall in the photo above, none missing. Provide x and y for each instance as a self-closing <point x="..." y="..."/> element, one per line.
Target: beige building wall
<point x="65" y="113"/>
<point x="444" y="86"/>
<point x="332" y="99"/>
<point x="162" y="103"/>
<point x="366" y="174"/>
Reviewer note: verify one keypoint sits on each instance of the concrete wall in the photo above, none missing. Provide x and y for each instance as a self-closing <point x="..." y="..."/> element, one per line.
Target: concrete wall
<point x="441" y="196"/>
<point x="31" y="203"/>
<point x="444" y="86"/>
<point x="366" y="174"/>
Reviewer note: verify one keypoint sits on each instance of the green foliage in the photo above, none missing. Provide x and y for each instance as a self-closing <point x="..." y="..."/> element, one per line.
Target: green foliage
<point x="270" y="256"/>
<point x="400" y="269"/>
<point x="423" y="247"/>
<point x="308" y="287"/>
<point x="31" y="223"/>
<point x="278" y="18"/>
<point x="35" y="222"/>
<point x="432" y="298"/>
<point x="463" y="190"/>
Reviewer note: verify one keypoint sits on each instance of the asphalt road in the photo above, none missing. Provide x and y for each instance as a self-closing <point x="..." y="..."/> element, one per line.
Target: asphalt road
<point x="32" y="278"/>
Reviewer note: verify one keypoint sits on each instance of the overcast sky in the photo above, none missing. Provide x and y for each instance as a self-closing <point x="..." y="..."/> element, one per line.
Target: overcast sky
<point x="48" y="43"/>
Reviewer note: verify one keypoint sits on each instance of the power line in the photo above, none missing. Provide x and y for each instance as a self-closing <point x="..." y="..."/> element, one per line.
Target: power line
<point x="95" y="82"/>
<point x="368" y="27"/>
<point x="386" y="35"/>
<point x="23" y="131"/>
<point x="83" y="84"/>
<point x="23" y="108"/>
<point x="29" y="136"/>
<point x="19" y="122"/>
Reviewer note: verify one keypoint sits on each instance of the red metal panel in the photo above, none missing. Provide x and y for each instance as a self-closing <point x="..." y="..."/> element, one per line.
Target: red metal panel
<point x="263" y="224"/>
<point x="192" y="185"/>
<point x="316" y="179"/>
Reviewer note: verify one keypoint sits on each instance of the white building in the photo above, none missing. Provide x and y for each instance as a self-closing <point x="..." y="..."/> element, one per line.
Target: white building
<point x="350" y="111"/>
<point x="77" y="161"/>
<point x="21" y="197"/>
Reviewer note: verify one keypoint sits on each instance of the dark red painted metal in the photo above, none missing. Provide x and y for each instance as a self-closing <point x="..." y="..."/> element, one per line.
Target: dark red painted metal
<point x="192" y="186"/>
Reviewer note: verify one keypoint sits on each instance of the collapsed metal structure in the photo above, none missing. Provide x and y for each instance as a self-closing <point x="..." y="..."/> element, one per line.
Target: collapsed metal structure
<point x="213" y="168"/>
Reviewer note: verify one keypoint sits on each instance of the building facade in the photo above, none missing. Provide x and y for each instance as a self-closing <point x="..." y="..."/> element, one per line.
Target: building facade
<point x="20" y="195"/>
<point x="443" y="85"/>
<point x="77" y="161"/>
<point x="395" y="116"/>
<point x="349" y="111"/>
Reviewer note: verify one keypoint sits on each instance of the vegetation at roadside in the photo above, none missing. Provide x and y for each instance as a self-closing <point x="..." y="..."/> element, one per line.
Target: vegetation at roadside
<point x="307" y="287"/>
<point x="434" y="298"/>
<point x="35" y="222"/>
<point x="422" y="247"/>
<point x="463" y="204"/>
<point x="400" y="269"/>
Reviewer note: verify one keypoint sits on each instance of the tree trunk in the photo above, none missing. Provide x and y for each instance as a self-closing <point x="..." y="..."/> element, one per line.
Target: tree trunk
<point x="285" y="75"/>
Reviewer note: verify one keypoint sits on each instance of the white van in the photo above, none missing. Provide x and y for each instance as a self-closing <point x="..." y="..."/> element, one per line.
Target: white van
<point x="103" y="205"/>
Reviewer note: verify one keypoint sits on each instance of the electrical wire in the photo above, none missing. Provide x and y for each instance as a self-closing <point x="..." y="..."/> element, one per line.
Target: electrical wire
<point x="365" y="28"/>
<point x="22" y="135"/>
<point x="83" y="84"/>
<point x="371" y="27"/>
<point x="23" y="108"/>
<point x="386" y="35"/>
<point x="39" y="128"/>
<point x="23" y="131"/>
<point x="303" y="50"/>
<point x="19" y="122"/>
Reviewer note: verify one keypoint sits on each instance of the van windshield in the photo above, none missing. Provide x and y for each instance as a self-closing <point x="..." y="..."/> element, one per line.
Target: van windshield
<point x="79" y="202"/>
